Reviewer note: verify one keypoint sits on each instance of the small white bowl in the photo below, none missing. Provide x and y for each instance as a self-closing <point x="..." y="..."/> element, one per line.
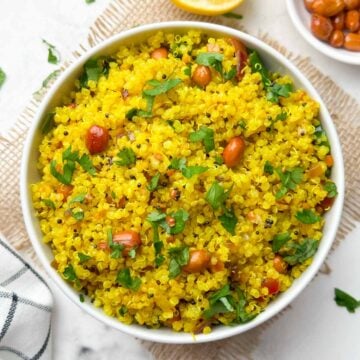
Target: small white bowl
<point x="302" y="19"/>
<point x="29" y="175"/>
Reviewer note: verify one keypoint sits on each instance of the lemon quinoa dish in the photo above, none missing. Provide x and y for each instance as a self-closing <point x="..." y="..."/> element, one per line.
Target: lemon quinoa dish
<point x="182" y="183"/>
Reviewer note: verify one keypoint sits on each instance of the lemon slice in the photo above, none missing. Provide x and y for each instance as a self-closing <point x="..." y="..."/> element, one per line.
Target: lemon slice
<point x="207" y="7"/>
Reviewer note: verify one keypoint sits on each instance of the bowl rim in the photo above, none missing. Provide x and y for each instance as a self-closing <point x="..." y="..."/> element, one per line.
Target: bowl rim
<point x="170" y="336"/>
<point x="342" y="55"/>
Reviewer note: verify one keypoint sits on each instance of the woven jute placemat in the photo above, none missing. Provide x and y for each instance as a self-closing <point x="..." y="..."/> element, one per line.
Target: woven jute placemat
<point x="125" y="14"/>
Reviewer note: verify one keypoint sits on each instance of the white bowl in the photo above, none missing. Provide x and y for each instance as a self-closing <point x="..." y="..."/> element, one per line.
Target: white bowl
<point x="29" y="175"/>
<point x="302" y="19"/>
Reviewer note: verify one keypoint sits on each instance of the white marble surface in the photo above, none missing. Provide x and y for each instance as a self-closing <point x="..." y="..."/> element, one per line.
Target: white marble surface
<point x="314" y="328"/>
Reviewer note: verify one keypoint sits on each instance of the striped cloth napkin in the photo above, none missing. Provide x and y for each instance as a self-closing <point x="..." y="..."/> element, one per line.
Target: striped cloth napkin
<point x="25" y="309"/>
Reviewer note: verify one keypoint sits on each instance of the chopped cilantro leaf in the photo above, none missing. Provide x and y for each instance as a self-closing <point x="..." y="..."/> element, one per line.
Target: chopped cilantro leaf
<point x="307" y="216"/>
<point x="116" y="248"/>
<point x="233" y="15"/>
<point x="229" y="220"/>
<point x="161" y="87"/>
<point x="179" y="256"/>
<point x="279" y="241"/>
<point x="49" y="203"/>
<point x="48" y="123"/>
<point x="124" y="278"/>
<point x="2" y="77"/>
<point x="85" y="162"/>
<point x="78" y="198"/>
<point x="177" y="164"/>
<point x="216" y="195"/>
<point x="331" y="189"/>
<point x="90" y="1"/>
<point x="154" y="181"/>
<point x="230" y="74"/>
<point x="53" y="54"/>
<point x="190" y="171"/>
<point x="154" y="219"/>
<point x="83" y="257"/>
<point x="126" y="157"/>
<point x="67" y="174"/>
<point x="301" y="251"/>
<point x="132" y="253"/>
<point x="206" y="135"/>
<point x="346" y="300"/>
<point x="187" y="70"/>
<point x="242" y="124"/>
<point x="219" y="302"/>
<point x="69" y="273"/>
<point x="289" y="180"/>
<point x="282" y="116"/>
<point x="275" y="91"/>
<point x="123" y="310"/>
<point x="78" y="215"/>
<point x="187" y="171"/>
<point x="268" y="168"/>
<point x="219" y="160"/>
<point x="211" y="59"/>
<point x="242" y="316"/>
<point x="131" y="113"/>
<point x="93" y="69"/>
<point x="81" y="298"/>
<point x="180" y="216"/>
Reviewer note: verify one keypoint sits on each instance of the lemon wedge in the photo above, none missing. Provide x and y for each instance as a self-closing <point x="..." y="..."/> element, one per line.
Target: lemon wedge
<point x="207" y="7"/>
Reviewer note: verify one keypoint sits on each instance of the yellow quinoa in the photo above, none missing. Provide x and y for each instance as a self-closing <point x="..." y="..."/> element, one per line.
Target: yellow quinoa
<point x="281" y="178"/>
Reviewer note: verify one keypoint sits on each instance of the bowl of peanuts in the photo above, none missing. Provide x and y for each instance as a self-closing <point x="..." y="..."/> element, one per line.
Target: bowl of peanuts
<point x="331" y="26"/>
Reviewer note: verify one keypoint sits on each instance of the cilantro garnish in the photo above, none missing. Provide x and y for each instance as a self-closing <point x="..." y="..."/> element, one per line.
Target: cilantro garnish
<point x="346" y="300"/>
<point x="223" y="301"/>
<point x="180" y="216"/>
<point x="93" y="69"/>
<point x="49" y="203"/>
<point x="154" y="219"/>
<point x="179" y="256"/>
<point x="307" y="216"/>
<point x="331" y="189"/>
<point x="126" y="157"/>
<point x="301" y="251"/>
<point x="219" y="302"/>
<point x="131" y="113"/>
<point x="66" y="176"/>
<point x="48" y="123"/>
<point x="81" y="298"/>
<point x="90" y="1"/>
<point x="124" y="278"/>
<point x="187" y="70"/>
<point x="154" y="181"/>
<point x="229" y="220"/>
<point x="187" y="171"/>
<point x="161" y="87"/>
<point x="219" y="160"/>
<point x="216" y="195"/>
<point x="69" y="159"/>
<point x="206" y="135"/>
<point x="268" y="168"/>
<point x="70" y="274"/>
<point x="282" y="116"/>
<point x="132" y="253"/>
<point x="83" y="257"/>
<point x="242" y="124"/>
<point x="78" y="198"/>
<point x="116" y="248"/>
<point x="230" y="74"/>
<point x="211" y="59"/>
<point x="2" y="77"/>
<point x="289" y="180"/>
<point x="78" y="215"/>
<point x="320" y="137"/>
<point x="233" y="15"/>
<point x="279" y="241"/>
<point x="53" y="54"/>
<point x="274" y="90"/>
<point x="123" y="310"/>
<point x="85" y="162"/>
